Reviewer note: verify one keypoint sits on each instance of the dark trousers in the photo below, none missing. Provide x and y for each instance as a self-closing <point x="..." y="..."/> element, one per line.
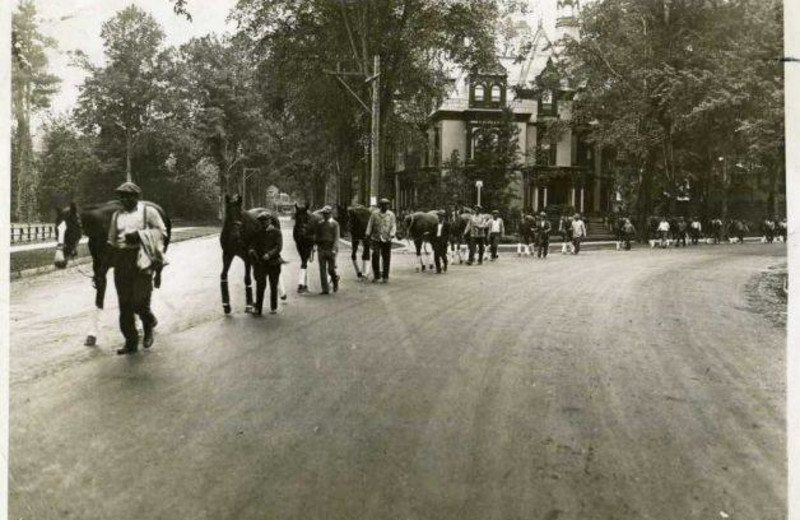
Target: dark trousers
<point x="327" y="266"/>
<point x="576" y="243"/>
<point x="494" y="241"/>
<point x="695" y="237"/>
<point x="440" y="253"/>
<point x="381" y="254"/>
<point x="681" y="239"/>
<point x="770" y="234"/>
<point x="270" y="274"/>
<point x="542" y="247"/>
<point x="134" y="290"/>
<point x="480" y="243"/>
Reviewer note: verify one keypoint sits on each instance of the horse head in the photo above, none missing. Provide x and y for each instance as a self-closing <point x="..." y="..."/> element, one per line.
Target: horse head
<point x="69" y="231"/>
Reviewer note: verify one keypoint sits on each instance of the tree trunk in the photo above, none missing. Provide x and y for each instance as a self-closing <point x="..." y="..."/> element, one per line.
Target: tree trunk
<point x="128" y="147"/>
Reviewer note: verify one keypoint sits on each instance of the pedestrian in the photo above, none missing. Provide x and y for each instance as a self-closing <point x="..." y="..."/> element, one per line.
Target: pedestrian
<point x="266" y="254"/>
<point x="739" y="229"/>
<point x="135" y="230"/>
<point x="716" y="230"/>
<point x="628" y="232"/>
<point x="475" y="231"/>
<point x="542" y="236"/>
<point x="768" y="230"/>
<point x="663" y="232"/>
<point x="695" y="230"/>
<point x="578" y="233"/>
<point x="683" y="228"/>
<point x="496" y="231"/>
<point x="782" y="229"/>
<point x="326" y="238"/>
<point x="439" y="242"/>
<point x="565" y="228"/>
<point x="381" y="230"/>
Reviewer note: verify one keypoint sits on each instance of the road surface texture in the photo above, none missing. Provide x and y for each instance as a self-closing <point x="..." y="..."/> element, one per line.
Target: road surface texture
<point x="610" y="385"/>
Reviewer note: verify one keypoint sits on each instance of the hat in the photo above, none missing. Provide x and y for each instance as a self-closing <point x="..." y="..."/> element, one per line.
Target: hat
<point x="326" y="209"/>
<point x="128" y="187"/>
<point x="495" y="212"/>
<point x="542" y="214"/>
<point x="441" y="213"/>
<point x="384" y="201"/>
<point x="478" y="207"/>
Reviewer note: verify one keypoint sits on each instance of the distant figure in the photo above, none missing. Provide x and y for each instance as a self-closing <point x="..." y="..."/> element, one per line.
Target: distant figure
<point x="440" y="241"/>
<point x="326" y="238"/>
<point x="381" y="229"/>
<point x="578" y="233"/>
<point x="565" y="228"/>
<point x="542" y="236"/>
<point x="663" y="232"/>
<point x="682" y="228"/>
<point x="716" y="230"/>
<point x="476" y="233"/>
<point x="782" y="229"/>
<point x="768" y="227"/>
<point x="266" y="254"/>
<point x="695" y="230"/>
<point x="135" y="227"/>
<point x="628" y="232"/>
<point x="739" y="228"/>
<point x="496" y="231"/>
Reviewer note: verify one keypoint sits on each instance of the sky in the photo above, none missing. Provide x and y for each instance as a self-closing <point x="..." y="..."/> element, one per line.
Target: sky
<point x="76" y="24"/>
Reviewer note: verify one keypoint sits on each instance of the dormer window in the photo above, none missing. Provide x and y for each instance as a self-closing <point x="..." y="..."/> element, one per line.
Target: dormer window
<point x="496" y="94"/>
<point x="547" y="97"/>
<point x="479" y="93"/>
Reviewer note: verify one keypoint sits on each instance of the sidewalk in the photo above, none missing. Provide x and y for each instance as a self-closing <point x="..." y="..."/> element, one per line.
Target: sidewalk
<point x="48" y="245"/>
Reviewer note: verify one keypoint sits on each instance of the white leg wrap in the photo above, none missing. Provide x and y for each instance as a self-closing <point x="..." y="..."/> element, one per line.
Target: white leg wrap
<point x="303" y="280"/>
<point x="94" y="325"/>
<point x="281" y="287"/>
<point x="355" y="265"/>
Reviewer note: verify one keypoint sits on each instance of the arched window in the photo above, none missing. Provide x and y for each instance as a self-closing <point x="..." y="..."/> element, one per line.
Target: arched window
<point x="479" y="93"/>
<point x="547" y="97"/>
<point x="496" y="93"/>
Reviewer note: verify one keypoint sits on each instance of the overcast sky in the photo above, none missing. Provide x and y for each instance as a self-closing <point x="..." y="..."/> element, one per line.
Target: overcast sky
<point x="76" y="24"/>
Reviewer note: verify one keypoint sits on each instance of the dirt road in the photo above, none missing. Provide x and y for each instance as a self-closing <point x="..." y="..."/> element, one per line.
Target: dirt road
<point x="605" y="386"/>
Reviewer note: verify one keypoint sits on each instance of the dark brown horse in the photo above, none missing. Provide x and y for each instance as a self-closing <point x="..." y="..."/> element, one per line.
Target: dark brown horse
<point x="93" y="221"/>
<point x="420" y="228"/>
<point x="305" y="224"/>
<point x="357" y="219"/>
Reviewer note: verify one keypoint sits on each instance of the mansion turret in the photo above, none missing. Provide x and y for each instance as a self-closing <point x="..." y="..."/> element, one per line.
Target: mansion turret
<point x="559" y="170"/>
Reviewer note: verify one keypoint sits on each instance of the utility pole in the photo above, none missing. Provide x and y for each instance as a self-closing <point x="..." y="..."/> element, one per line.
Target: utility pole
<point x="246" y="174"/>
<point x="375" y="114"/>
<point x="375" y="173"/>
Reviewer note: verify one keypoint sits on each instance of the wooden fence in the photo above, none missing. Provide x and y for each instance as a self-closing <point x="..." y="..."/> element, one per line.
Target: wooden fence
<point x="21" y="233"/>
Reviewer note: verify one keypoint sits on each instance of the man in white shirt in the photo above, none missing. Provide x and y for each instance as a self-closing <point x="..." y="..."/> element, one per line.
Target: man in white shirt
<point x="663" y="231"/>
<point x="134" y="286"/>
<point x="496" y="232"/>
<point x="578" y="233"/>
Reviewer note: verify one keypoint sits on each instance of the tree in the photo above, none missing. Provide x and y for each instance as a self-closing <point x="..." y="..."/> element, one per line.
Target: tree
<point x="32" y="87"/>
<point x="496" y="159"/>
<point x="126" y="97"/>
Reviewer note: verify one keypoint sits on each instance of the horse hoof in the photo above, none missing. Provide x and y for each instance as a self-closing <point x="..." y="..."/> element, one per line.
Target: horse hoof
<point x="430" y="266"/>
<point x="227" y="308"/>
<point x="283" y="297"/>
<point x="91" y="341"/>
<point x="423" y="268"/>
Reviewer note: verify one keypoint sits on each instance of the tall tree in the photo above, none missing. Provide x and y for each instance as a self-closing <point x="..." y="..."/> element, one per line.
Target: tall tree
<point x="124" y="98"/>
<point x="32" y="88"/>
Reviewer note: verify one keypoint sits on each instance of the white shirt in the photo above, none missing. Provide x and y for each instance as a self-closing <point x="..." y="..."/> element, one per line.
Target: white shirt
<point x="664" y="226"/>
<point x="496" y="223"/>
<point x="132" y="221"/>
<point x="439" y="229"/>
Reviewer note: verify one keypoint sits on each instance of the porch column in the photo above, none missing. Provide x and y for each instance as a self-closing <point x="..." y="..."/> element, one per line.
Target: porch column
<point x="596" y="201"/>
<point x="581" y="199"/>
<point x="545" y="198"/>
<point x="572" y="196"/>
<point x="535" y="197"/>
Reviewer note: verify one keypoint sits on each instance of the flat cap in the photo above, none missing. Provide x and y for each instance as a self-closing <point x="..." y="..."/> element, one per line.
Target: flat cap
<point x="384" y="201"/>
<point x="326" y="209"/>
<point x="441" y="213"/>
<point x="542" y="214"/>
<point x="478" y="207"/>
<point x="128" y="187"/>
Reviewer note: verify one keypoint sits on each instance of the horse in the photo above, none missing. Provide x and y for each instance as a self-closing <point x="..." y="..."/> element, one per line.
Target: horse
<point x="305" y="222"/>
<point x="357" y="220"/>
<point x="94" y="221"/>
<point x="527" y="229"/>
<point x="421" y="227"/>
<point x="458" y="224"/>
<point x="238" y="231"/>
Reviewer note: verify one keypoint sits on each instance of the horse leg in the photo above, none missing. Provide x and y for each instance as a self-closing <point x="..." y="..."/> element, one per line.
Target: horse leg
<point x="261" y="285"/>
<point x="302" y="281"/>
<point x="100" y="285"/>
<point x="248" y="287"/>
<point x="427" y="255"/>
<point x="365" y="259"/>
<point x="281" y="287"/>
<point x="223" y="282"/>
<point x="418" y="248"/>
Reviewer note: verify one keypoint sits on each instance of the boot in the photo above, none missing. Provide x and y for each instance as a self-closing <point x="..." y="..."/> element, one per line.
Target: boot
<point x="131" y="347"/>
<point x="148" y="339"/>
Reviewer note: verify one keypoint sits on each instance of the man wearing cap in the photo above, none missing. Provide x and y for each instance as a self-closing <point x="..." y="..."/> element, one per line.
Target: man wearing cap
<point x="439" y="242"/>
<point x="326" y="238"/>
<point x="496" y="231"/>
<point x="542" y="235"/>
<point x="134" y="286"/>
<point x="381" y="229"/>
<point x="578" y="233"/>
<point x="475" y="230"/>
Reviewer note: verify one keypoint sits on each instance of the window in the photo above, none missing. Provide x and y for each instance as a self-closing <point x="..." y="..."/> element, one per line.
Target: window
<point x="479" y="93"/>
<point x="496" y="94"/>
<point x="547" y="97"/>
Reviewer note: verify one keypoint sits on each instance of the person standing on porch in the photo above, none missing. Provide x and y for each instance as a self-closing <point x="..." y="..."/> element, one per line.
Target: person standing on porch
<point x="381" y="230"/>
<point x="496" y="232"/>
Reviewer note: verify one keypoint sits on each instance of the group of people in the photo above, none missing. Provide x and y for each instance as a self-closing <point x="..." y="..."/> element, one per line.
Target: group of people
<point x="678" y="230"/>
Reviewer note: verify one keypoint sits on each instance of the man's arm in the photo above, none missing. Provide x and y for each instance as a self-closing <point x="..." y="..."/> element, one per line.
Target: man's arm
<point x="335" y="237"/>
<point x="393" y="228"/>
<point x="154" y="220"/>
<point x="368" y="232"/>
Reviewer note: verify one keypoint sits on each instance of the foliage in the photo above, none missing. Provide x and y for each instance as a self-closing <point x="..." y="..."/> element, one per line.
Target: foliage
<point x="496" y="159"/>
<point x="32" y="86"/>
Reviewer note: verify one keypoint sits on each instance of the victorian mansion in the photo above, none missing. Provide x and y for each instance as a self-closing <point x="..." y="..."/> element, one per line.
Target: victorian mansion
<point x="558" y="171"/>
